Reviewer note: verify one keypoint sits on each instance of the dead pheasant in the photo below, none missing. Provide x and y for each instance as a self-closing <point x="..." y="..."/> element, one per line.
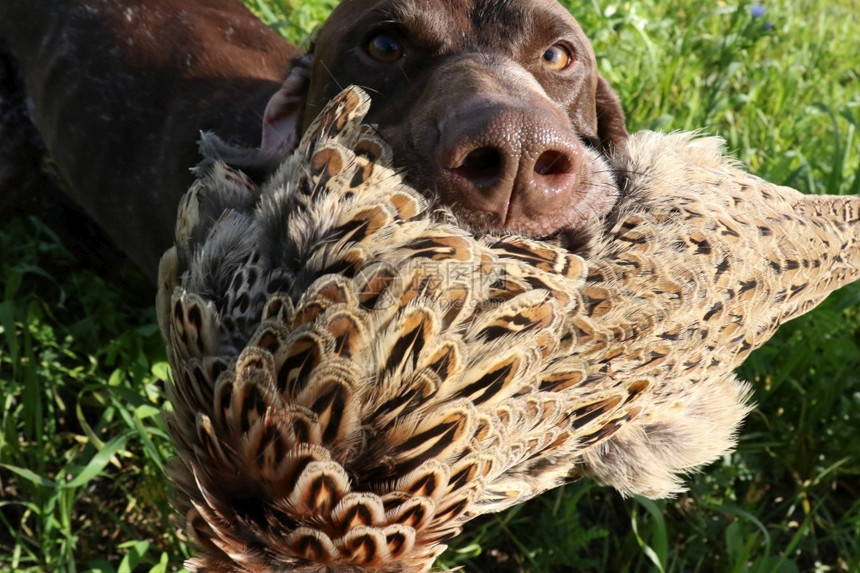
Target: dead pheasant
<point x="355" y="376"/>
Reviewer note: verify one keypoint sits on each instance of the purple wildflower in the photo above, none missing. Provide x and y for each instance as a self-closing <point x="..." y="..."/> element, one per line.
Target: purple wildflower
<point x="757" y="10"/>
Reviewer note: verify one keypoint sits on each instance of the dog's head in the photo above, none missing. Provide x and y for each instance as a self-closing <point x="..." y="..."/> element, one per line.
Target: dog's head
<point x="493" y="106"/>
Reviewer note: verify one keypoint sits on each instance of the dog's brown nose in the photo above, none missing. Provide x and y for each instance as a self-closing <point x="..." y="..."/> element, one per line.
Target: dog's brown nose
<point x="509" y="168"/>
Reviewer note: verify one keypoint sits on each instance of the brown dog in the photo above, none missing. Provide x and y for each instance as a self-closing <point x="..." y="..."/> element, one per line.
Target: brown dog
<point x="495" y="107"/>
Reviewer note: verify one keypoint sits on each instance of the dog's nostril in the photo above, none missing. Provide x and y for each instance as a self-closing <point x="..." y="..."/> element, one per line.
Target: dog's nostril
<point x="482" y="165"/>
<point x="553" y="163"/>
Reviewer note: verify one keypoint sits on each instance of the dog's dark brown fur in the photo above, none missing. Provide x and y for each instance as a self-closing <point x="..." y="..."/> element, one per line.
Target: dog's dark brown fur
<point x="119" y="92"/>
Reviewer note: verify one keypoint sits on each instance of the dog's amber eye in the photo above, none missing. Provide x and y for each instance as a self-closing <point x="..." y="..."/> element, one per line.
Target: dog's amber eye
<point x="384" y="48"/>
<point x="556" y="58"/>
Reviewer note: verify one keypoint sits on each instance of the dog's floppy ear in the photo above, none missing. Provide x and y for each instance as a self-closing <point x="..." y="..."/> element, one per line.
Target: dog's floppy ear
<point x="610" y="117"/>
<point x="284" y="111"/>
<point x="280" y="130"/>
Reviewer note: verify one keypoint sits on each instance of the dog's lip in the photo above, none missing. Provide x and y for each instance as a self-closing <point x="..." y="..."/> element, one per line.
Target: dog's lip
<point x="538" y="230"/>
<point x="493" y="222"/>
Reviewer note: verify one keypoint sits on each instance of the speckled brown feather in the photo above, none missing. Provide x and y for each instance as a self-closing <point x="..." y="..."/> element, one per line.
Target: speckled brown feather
<point x="355" y="376"/>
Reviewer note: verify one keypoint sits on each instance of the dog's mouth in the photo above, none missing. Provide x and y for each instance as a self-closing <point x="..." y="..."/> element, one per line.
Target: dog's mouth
<point x="573" y="238"/>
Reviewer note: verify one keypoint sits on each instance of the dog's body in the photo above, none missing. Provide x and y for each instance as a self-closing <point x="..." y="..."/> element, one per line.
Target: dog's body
<point x="506" y="123"/>
<point x="119" y="92"/>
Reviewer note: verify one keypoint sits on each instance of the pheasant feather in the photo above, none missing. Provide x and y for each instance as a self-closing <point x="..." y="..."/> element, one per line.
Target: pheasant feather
<point x="355" y="376"/>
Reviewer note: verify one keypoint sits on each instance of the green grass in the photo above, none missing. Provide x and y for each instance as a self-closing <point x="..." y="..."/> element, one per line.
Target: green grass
<point x="82" y="446"/>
